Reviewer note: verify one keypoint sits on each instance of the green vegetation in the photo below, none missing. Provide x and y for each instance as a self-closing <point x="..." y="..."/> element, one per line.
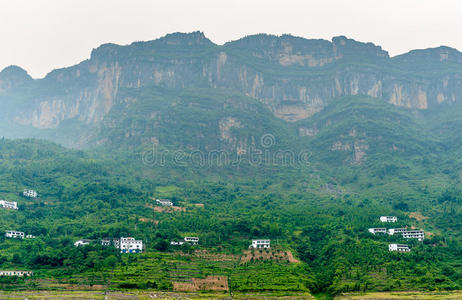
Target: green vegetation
<point x="83" y="196"/>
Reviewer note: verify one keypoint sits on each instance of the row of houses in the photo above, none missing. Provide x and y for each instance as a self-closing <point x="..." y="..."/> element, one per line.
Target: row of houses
<point x="18" y="235"/>
<point x="187" y="240"/>
<point x="8" y="204"/>
<point x="404" y="232"/>
<point x="407" y="234"/>
<point x="16" y="273"/>
<point x="399" y="248"/>
<point x="125" y="244"/>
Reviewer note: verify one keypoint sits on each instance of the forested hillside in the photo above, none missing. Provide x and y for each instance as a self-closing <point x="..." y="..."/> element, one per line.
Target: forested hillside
<point x="323" y="225"/>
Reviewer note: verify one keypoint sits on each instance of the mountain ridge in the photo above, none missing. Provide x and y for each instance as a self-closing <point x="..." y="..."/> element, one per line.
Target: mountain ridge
<point x="295" y="78"/>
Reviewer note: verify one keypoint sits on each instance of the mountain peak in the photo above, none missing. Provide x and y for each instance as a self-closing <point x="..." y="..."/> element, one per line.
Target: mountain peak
<point x="195" y="39"/>
<point x="350" y="47"/>
<point x="13" y="76"/>
<point x="438" y="54"/>
<point x="181" y="38"/>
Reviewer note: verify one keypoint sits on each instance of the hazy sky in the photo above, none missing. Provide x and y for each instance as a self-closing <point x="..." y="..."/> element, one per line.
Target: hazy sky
<point x="41" y="35"/>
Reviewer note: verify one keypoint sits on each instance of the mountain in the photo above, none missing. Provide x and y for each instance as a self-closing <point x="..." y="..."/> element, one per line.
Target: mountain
<point x="293" y="78"/>
<point x="304" y="142"/>
<point x="13" y="77"/>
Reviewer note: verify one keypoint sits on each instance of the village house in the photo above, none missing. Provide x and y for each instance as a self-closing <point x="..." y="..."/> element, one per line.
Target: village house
<point x="191" y="240"/>
<point x="8" y="204"/>
<point x="110" y="242"/>
<point x="16" y="273"/>
<point x="257" y="244"/>
<point x="414" y="234"/>
<point x="30" y="236"/>
<point x="126" y="245"/>
<point x="164" y="202"/>
<point x="377" y="230"/>
<point x="392" y="231"/>
<point x="176" y="243"/>
<point x="29" y="193"/>
<point x="399" y="248"/>
<point x="389" y="219"/>
<point x="130" y="245"/>
<point x="14" y="234"/>
<point x="83" y="242"/>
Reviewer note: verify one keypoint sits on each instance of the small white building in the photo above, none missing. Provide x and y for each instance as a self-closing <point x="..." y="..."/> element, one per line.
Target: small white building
<point x="393" y="231"/>
<point x="164" y="202"/>
<point x="16" y="273"/>
<point x="30" y="236"/>
<point x="191" y="240"/>
<point x="130" y="245"/>
<point x="83" y="242"/>
<point x="8" y="204"/>
<point x="14" y="234"/>
<point x="389" y="219"/>
<point x="399" y="248"/>
<point x="29" y="193"/>
<point x="257" y="244"/>
<point x="176" y="243"/>
<point x="414" y="234"/>
<point x="110" y="241"/>
<point x="377" y="230"/>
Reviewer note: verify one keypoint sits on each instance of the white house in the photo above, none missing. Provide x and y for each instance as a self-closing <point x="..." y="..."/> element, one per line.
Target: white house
<point x="15" y="234"/>
<point x="110" y="241"/>
<point x="130" y="245"/>
<point x="16" y="273"/>
<point x="29" y="193"/>
<point x="176" y="243"/>
<point x="377" y="230"/>
<point x="83" y="242"/>
<point x="8" y="204"/>
<point x="414" y="234"/>
<point x="164" y="202"/>
<point x="392" y="231"/>
<point x="399" y="248"/>
<point x="389" y="219"/>
<point x="257" y="244"/>
<point x="30" y="236"/>
<point x="191" y="240"/>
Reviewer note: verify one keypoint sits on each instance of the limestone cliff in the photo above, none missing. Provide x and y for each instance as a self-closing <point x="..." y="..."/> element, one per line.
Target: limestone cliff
<point x="293" y="77"/>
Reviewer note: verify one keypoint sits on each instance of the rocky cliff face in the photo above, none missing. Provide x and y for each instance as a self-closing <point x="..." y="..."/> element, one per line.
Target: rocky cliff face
<point x="294" y="77"/>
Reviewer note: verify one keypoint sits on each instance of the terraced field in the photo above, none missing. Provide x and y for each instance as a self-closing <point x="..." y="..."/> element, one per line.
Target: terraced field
<point x="167" y="271"/>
